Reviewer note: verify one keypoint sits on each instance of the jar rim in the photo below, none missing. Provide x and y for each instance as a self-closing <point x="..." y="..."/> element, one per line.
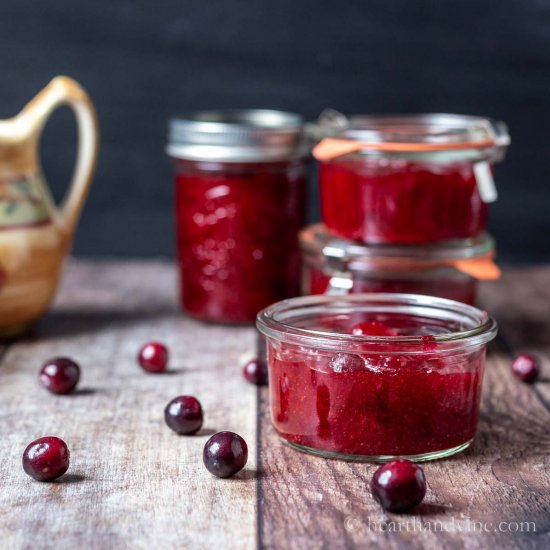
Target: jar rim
<point x="236" y="135"/>
<point x="273" y="322"/>
<point x="423" y="136"/>
<point x="421" y="128"/>
<point x="317" y="241"/>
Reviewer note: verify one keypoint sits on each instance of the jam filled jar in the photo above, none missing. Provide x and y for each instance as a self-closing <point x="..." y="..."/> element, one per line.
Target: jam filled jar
<point x="409" y="179"/>
<point x="449" y="269"/>
<point x="240" y="201"/>
<point x="376" y="376"/>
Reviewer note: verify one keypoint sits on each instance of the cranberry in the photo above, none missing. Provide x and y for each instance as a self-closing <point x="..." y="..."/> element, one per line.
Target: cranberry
<point x="526" y="367"/>
<point x="255" y="373"/>
<point x="153" y="357"/>
<point x="184" y="415"/>
<point x="46" y="459"/>
<point x="399" y="485"/>
<point x="373" y="328"/>
<point x="225" y="453"/>
<point x="60" y="375"/>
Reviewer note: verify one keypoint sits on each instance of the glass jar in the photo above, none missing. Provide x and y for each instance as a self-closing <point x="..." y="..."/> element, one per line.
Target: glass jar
<point x="406" y="386"/>
<point x="447" y="270"/>
<point x="409" y="179"/>
<point x="240" y="191"/>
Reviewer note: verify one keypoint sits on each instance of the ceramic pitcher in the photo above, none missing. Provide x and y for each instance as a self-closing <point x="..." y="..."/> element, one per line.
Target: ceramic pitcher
<point x="35" y="234"/>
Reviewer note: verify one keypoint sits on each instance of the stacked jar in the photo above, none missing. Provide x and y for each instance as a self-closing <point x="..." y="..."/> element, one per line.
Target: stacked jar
<point x="404" y="204"/>
<point x="240" y="191"/>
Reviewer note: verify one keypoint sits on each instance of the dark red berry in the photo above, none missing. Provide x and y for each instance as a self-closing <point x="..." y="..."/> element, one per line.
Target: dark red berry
<point x="225" y="453"/>
<point x="255" y="373"/>
<point x="153" y="357"/>
<point x="373" y="328"/>
<point x="46" y="459"/>
<point x="60" y="375"/>
<point x="526" y="367"/>
<point x="399" y="485"/>
<point x="184" y="415"/>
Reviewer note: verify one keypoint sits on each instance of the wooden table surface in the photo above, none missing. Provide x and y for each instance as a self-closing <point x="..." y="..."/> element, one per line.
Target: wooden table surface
<point x="135" y="484"/>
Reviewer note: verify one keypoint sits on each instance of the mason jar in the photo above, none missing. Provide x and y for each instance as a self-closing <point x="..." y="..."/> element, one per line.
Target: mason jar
<point x="240" y="192"/>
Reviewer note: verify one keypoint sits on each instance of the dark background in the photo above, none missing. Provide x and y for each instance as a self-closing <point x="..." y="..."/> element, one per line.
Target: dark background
<point x="144" y="61"/>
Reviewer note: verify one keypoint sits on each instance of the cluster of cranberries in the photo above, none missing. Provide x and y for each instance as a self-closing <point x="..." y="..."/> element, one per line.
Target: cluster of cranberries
<point x="224" y="454"/>
<point x="398" y="486"/>
<point x="47" y="458"/>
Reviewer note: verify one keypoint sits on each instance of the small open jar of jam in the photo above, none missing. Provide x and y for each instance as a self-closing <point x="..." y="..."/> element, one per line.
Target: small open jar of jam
<point x="409" y="179"/>
<point x="449" y="269"/>
<point x="376" y="376"/>
<point x="240" y="201"/>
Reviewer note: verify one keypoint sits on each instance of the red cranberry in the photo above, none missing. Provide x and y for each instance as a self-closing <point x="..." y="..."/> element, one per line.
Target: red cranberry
<point x="184" y="415"/>
<point x="526" y="367"/>
<point x="373" y="328"/>
<point x="60" y="375"/>
<point x="255" y="373"/>
<point x="46" y="459"/>
<point x="399" y="485"/>
<point x="153" y="357"/>
<point x="225" y="453"/>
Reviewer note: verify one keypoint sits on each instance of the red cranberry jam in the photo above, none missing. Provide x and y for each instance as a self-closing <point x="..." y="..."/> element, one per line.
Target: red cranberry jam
<point x="240" y="190"/>
<point x="413" y="180"/>
<point x="407" y="384"/>
<point x="331" y="265"/>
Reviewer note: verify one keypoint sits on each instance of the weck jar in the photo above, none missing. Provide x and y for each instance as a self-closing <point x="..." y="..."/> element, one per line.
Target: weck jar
<point x="376" y="377"/>
<point x="240" y="192"/>
<point x="409" y="179"/>
<point x="449" y="269"/>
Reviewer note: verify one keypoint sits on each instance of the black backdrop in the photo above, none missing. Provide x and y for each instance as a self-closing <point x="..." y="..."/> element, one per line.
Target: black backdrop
<point x="145" y="61"/>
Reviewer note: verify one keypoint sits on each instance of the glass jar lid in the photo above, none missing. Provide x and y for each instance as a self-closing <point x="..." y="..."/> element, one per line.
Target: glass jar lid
<point x="323" y="250"/>
<point x="252" y="135"/>
<point x="447" y="135"/>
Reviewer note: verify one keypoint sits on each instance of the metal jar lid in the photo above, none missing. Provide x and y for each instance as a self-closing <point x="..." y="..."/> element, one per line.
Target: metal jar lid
<point x="253" y="135"/>
<point x="322" y="249"/>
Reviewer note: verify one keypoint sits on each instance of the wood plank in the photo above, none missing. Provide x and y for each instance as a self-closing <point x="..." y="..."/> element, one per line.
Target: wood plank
<point x="524" y="318"/>
<point x="309" y="502"/>
<point x="132" y="482"/>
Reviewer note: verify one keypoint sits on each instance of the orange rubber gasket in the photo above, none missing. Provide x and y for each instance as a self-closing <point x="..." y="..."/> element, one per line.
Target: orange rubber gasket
<point x="330" y="148"/>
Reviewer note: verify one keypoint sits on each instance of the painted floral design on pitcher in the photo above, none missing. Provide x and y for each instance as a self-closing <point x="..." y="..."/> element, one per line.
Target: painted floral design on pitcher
<point x="22" y="203"/>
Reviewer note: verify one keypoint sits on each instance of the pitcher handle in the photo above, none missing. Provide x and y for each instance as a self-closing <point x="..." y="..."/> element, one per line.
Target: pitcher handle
<point x="63" y="90"/>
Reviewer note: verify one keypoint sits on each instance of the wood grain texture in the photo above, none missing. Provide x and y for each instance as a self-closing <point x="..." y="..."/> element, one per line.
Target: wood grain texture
<point x="135" y="484"/>
<point x="132" y="483"/>
<point x="308" y="502"/>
